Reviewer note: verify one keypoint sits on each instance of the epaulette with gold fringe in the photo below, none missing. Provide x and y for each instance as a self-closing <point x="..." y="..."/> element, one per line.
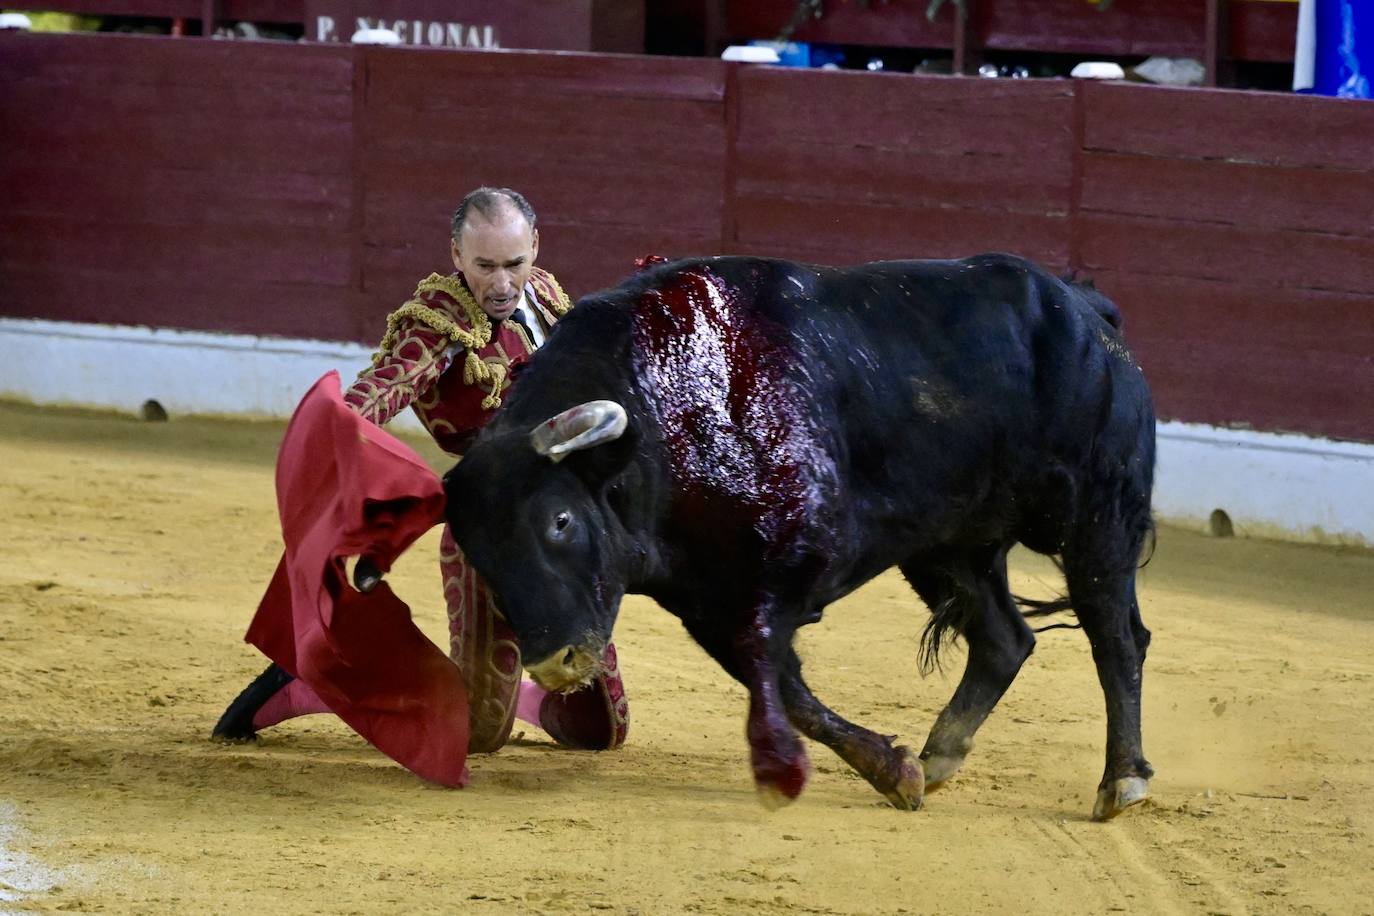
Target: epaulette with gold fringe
<point x="475" y="369"/>
<point x="549" y="290"/>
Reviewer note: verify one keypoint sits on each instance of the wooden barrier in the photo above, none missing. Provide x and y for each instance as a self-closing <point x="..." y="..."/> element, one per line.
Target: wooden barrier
<point x="845" y="167"/>
<point x="620" y="155"/>
<point x="302" y="190"/>
<point x="188" y="184"/>
<point x="1236" y="230"/>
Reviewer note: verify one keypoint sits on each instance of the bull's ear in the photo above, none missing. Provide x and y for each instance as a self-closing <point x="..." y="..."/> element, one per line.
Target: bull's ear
<point x="624" y="489"/>
<point x="598" y="467"/>
<point x="582" y="427"/>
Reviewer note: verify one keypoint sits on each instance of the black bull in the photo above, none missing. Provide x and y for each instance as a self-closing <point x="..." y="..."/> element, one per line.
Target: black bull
<point x="784" y="434"/>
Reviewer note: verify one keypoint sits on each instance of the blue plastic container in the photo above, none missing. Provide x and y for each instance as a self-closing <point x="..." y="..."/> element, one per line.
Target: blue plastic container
<point x="1344" y="60"/>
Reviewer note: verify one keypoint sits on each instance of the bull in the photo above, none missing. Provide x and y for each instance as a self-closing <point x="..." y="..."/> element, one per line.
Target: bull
<point x="746" y="440"/>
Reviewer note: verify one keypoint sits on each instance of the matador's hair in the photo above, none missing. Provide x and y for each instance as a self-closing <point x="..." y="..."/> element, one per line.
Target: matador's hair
<point x="489" y="202"/>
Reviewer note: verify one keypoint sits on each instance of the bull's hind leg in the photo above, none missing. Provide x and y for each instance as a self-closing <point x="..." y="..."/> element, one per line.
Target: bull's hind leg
<point x="1103" y="595"/>
<point x="893" y="771"/>
<point x="968" y="595"/>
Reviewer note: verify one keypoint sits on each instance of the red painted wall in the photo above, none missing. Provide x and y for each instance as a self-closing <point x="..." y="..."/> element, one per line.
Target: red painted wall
<point x="302" y="190"/>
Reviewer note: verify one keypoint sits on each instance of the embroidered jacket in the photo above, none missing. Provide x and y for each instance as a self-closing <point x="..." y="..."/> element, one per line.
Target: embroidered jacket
<point x="442" y="357"/>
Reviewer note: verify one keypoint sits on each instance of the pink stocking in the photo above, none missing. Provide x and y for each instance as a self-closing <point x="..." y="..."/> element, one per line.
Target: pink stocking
<point x="295" y="699"/>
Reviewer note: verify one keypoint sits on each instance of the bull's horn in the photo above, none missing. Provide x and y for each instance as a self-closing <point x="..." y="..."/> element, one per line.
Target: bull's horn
<point x="579" y="427"/>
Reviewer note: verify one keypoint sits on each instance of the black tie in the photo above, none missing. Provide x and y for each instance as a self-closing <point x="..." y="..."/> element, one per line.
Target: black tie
<point x="517" y="317"/>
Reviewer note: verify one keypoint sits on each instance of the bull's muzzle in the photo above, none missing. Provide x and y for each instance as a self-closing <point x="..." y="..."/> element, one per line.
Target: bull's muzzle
<point x="565" y="670"/>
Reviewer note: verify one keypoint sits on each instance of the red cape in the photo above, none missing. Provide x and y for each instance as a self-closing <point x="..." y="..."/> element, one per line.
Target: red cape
<point x="345" y="488"/>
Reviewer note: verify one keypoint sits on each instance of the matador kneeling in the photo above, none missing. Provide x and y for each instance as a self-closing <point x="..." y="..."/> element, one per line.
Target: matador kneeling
<point x="448" y="355"/>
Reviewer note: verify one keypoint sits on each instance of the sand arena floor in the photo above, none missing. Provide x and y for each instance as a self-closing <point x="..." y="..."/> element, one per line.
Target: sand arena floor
<point x="135" y="553"/>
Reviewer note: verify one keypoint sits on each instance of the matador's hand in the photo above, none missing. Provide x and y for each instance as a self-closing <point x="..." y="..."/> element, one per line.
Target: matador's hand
<point x="366" y="575"/>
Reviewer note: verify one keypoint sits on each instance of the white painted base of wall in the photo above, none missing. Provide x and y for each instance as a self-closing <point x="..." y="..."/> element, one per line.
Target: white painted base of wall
<point x="120" y="367"/>
<point x="1267" y="484"/>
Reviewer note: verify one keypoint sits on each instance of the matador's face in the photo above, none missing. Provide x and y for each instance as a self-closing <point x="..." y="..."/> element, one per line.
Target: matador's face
<point x="495" y="256"/>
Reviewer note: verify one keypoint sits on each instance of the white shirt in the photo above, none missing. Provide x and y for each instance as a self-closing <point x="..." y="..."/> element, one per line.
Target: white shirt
<point x="528" y="315"/>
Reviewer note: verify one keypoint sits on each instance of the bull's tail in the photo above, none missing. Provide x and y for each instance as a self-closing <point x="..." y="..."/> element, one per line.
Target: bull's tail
<point x="1044" y="607"/>
<point x="1036" y="607"/>
<point x="951" y="617"/>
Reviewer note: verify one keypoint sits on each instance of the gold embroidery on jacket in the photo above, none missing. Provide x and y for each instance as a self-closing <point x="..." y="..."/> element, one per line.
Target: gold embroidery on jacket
<point x="490" y="374"/>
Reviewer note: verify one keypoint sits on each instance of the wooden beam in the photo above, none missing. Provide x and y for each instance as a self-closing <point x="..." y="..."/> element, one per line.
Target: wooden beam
<point x="1214" y="36"/>
<point x="715" y="22"/>
<point x="966" y="56"/>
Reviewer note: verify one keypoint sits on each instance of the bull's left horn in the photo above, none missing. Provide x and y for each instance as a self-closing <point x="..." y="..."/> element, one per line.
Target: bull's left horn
<point x="579" y="427"/>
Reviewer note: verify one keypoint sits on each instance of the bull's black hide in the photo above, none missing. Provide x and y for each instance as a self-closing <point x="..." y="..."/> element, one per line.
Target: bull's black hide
<point x="791" y="432"/>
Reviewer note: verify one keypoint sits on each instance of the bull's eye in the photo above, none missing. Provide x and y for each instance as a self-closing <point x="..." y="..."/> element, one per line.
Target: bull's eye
<point x="558" y="528"/>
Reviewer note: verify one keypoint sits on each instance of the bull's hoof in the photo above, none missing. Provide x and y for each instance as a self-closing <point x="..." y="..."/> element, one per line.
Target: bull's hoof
<point x="938" y="769"/>
<point x="1118" y="796"/>
<point x="907" y="793"/>
<point x="772" y="797"/>
<point x="780" y="782"/>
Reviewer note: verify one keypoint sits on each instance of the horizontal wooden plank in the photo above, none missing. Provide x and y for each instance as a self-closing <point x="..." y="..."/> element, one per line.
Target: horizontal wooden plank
<point x="196" y="140"/>
<point x="244" y="303"/>
<point x="93" y="100"/>
<point x="1265" y="358"/>
<point x="277" y="254"/>
<point x="1242" y="194"/>
<point x="866" y="232"/>
<point x="584" y="259"/>
<point x="839" y="255"/>
<point x="114" y="60"/>
<point x="433" y="79"/>
<point x="915" y="113"/>
<point x="569" y="197"/>
<point x="617" y="130"/>
<point x="1267" y="128"/>
<point x="1007" y="180"/>
<point x="1239" y="254"/>
<point x="265" y="201"/>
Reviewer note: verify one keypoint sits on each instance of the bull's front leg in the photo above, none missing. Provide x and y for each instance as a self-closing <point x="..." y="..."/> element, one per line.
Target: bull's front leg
<point x="892" y="770"/>
<point x="752" y="653"/>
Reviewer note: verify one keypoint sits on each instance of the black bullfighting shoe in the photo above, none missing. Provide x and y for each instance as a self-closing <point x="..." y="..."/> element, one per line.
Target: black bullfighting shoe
<point x="237" y="722"/>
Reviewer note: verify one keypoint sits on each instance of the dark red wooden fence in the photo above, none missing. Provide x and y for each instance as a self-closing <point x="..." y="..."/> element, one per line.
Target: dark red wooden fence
<point x="191" y="184"/>
<point x="619" y="154"/>
<point x="844" y="167"/>
<point x="302" y="190"/>
<point x="1236" y="230"/>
